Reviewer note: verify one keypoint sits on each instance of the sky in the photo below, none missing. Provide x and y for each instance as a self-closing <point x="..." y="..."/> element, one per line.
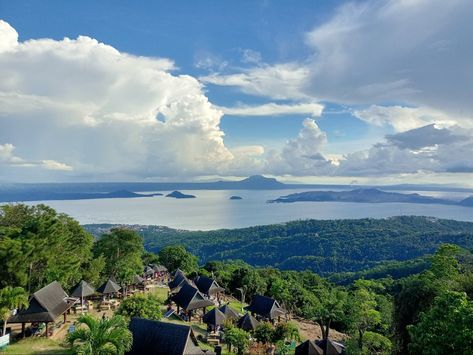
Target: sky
<point x="333" y="91"/>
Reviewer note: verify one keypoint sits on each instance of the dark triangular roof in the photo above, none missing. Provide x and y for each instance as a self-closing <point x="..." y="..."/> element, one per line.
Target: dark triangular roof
<point x="214" y="317"/>
<point x="82" y="289"/>
<point x="266" y="307"/>
<point x="207" y="285"/>
<point x="137" y="279"/>
<point x="158" y="268"/>
<point x="45" y="305"/>
<point x="177" y="272"/>
<point x="148" y="271"/>
<point x="229" y="312"/>
<point x="162" y="338"/>
<point x="333" y="347"/>
<point x="190" y="298"/>
<point x="309" y="347"/>
<point x="178" y="280"/>
<point x="247" y="322"/>
<point x="109" y="287"/>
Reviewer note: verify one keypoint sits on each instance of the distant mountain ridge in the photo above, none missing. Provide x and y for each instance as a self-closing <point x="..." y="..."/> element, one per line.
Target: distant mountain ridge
<point x="13" y="192"/>
<point x="88" y="196"/>
<point x="367" y="196"/>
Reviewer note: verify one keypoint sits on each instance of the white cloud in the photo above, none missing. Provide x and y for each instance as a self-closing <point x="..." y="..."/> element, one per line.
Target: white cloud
<point x="55" y="165"/>
<point x="274" y="109"/>
<point x="281" y="81"/>
<point x="7" y="156"/>
<point x="302" y="155"/>
<point x="417" y="52"/>
<point x="405" y="118"/>
<point x="8" y="36"/>
<point x="9" y="159"/>
<point x="425" y="149"/>
<point x="81" y="104"/>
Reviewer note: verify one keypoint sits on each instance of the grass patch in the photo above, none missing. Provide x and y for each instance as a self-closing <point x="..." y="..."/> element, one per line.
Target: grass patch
<point x="160" y="292"/>
<point x="37" y="346"/>
<point x="237" y="306"/>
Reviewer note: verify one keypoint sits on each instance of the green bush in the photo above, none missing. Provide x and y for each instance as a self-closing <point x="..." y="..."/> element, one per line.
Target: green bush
<point x="142" y="306"/>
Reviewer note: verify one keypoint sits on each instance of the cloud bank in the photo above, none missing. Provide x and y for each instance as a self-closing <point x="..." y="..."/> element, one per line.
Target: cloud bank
<point x="80" y="109"/>
<point x="84" y="108"/>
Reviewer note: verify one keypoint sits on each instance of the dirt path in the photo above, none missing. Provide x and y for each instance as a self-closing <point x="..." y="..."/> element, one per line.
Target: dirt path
<point x="311" y="330"/>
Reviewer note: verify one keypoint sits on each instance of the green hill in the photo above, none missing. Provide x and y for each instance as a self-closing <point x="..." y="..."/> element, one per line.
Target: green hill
<point x="326" y="247"/>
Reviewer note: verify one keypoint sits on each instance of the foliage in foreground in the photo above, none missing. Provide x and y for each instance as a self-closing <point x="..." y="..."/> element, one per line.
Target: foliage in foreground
<point x="101" y="337"/>
<point x="11" y="298"/>
<point x="446" y="328"/>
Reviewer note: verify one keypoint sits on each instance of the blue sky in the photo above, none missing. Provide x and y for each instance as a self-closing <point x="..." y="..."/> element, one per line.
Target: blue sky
<point x="189" y="31"/>
<point x="314" y="90"/>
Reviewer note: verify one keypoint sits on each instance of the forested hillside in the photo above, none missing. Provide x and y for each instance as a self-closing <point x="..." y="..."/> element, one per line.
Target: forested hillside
<point x="427" y="303"/>
<point x="326" y="247"/>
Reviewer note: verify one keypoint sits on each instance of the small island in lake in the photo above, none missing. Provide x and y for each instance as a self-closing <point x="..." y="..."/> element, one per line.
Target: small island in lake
<point x="236" y="198"/>
<point x="179" y="195"/>
<point x="367" y="196"/>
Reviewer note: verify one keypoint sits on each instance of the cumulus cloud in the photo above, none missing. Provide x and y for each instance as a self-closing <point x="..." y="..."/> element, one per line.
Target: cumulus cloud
<point x="302" y="155"/>
<point x="425" y="149"/>
<point x="274" y="109"/>
<point x="81" y="103"/>
<point x="9" y="37"/>
<point x="9" y="159"/>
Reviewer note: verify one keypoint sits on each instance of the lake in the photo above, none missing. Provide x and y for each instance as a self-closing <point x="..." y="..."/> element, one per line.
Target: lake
<point x="213" y="209"/>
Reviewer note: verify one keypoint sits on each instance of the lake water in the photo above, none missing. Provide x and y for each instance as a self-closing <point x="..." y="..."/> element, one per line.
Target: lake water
<point x="213" y="209"/>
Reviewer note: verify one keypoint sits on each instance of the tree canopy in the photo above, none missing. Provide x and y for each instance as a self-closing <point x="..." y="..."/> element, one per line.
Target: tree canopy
<point x="122" y="250"/>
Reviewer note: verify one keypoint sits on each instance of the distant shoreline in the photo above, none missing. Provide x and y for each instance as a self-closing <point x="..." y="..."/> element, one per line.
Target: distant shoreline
<point x="23" y="192"/>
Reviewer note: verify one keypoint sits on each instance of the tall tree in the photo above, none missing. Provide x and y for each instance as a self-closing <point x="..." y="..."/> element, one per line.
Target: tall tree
<point x="122" y="249"/>
<point x="101" y="337"/>
<point x="237" y="338"/>
<point x="38" y="245"/>
<point x="177" y="257"/>
<point x="446" y="328"/>
<point x="10" y="299"/>
<point x="325" y="306"/>
<point x="363" y="313"/>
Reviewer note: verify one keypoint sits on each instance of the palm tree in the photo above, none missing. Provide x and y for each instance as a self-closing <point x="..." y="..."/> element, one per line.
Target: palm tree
<point x="101" y="337"/>
<point x="11" y="298"/>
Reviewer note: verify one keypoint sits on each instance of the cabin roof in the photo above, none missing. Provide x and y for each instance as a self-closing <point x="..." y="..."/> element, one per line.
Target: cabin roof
<point x="109" y="286"/>
<point x="154" y="337"/>
<point x="137" y="279"/>
<point x="229" y="312"/>
<point x="266" y="307"/>
<point x="178" y="280"/>
<point x="207" y="285"/>
<point x="333" y="347"/>
<point x="214" y="317"/>
<point x="82" y="289"/>
<point x="247" y="322"/>
<point x="190" y="298"/>
<point x="309" y="347"/>
<point x="45" y="305"/>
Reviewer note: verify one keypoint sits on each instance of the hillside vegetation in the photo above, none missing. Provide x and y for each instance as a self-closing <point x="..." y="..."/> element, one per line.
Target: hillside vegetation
<point x="325" y="247"/>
